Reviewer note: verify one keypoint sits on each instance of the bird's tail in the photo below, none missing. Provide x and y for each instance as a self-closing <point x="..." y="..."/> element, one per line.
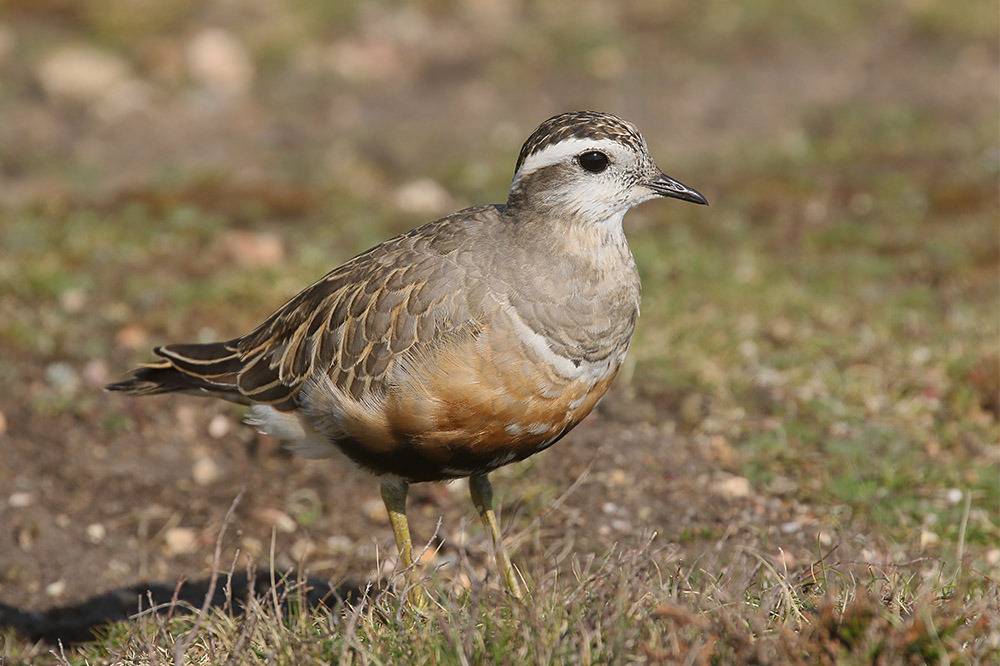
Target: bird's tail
<point x="201" y="369"/>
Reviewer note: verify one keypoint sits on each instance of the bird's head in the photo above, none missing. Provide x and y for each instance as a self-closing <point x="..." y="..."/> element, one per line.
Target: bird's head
<point x="589" y="165"/>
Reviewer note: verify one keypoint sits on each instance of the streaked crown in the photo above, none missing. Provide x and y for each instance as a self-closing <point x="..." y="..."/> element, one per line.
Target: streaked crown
<point x="580" y="125"/>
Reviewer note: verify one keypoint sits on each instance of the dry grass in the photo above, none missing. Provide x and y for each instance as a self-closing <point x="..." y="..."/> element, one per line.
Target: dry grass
<point x="631" y="605"/>
<point x="824" y="335"/>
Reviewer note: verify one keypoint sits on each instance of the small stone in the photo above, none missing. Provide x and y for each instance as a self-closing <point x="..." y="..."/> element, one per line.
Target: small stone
<point x="73" y="299"/>
<point x="784" y="561"/>
<point x="423" y="197"/>
<point x="920" y="356"/>
<point x="462" y="581"/>
<point x="131" y="337"/>
<point x="302" y="549"/>
<point x="95" y="373"/>
<point x="56" y="589"/>
<point x="278" y="519"/>
<point x="220" y="62"/>
<point x="62" y="377"/>
<point x="721" y="451"/>
<point x="63" y="521"/>
<point x="993" y="557"/>
<point x="427" y="556"/>
<point x="374" y="510"/>
<point x="339" y="544"/>
<point x="205" y="471"/>
<point x="181" y="540"/>
<point x="251" y="546"/>
<point x="609" y="507"/>
<point x="790" y="527"/>
<point x="618" y="477"/>
<point x="81" y="73"/>
<point x="20" y="500"/>
<point x="732" y="487"/>
<point x="253" y="249"/>
<point x="954" y="495"/>
<point x="96" y="532"/>
<point x="928" y="539"/>
<point x="782" y="330"/>
<point x="219" y="426"/>
<point x="621" y="525"/>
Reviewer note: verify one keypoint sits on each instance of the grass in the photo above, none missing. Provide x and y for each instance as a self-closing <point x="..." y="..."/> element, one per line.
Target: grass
<point x="636" y="604"/>
<point x="827" y="329"/>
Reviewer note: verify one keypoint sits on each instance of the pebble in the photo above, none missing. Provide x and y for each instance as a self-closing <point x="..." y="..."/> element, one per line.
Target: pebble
<point x="374" y="510"/>
<point x="20" y="500"/>
<point x="130" y="337"/>
<point x="96" y="532"/>
<point x="302" y="549"/>
<point x="339" y="544"/>
<point x="252" y="249"/>
<point x="423" y="197"/>
<point x="205" y="471"/>
<point x="81" y="73"/>
<point x="954" y="495"/>
<point x="95" y="373"/>
<point x="732" y="487"/>
<point x="790" y="527"/>
<point x="73" y="299"/>
<point x="928" y="539"/>
<point x="56" y="589"/>
<point x="219" y="426"/>
<point x="427" y="556"/>
<point x="277" y="519"/>
<point x="220" y="62"/>
<point x="251" y="546"/>
<point x="621" y="525"/>
<point x="784" y="561"/>
<point x="181" y="540"/>
<point x="62" y="376"/>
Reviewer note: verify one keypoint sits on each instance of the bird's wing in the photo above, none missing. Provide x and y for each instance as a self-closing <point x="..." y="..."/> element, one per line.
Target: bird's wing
<point x="354" y="324"/>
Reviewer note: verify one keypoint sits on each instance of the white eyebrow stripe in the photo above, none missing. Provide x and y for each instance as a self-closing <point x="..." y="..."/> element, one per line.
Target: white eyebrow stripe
<point x="557" y="152"/>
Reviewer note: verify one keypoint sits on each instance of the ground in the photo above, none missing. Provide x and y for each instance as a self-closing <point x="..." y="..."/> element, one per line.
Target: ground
<point x="806" y="430"/>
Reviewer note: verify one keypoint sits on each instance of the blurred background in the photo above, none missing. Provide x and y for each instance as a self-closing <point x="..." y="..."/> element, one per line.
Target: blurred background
<point x="817" y="359"/>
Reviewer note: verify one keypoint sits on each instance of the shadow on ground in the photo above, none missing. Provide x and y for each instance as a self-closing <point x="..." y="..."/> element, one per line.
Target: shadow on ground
<point x="77" y="623"/>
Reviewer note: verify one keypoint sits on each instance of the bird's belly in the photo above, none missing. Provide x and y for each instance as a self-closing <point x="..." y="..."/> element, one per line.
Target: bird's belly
<point x="477" y="406"/>
<point x="456" y="428"/>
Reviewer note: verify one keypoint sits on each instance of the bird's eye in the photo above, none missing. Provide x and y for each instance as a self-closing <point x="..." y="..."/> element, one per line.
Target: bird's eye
<point x="593" y="161"/>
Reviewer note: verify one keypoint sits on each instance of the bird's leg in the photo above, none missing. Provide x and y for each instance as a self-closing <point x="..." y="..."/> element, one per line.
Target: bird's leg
<point x="482" y="498"/>
<point x="394" y="496"/>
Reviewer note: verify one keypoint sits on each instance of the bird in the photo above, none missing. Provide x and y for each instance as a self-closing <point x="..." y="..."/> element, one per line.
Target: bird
<point x="461" y="346"/>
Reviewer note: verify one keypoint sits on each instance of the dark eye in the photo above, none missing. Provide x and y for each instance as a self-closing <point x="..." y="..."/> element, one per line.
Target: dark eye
<point x="593" y="161"/>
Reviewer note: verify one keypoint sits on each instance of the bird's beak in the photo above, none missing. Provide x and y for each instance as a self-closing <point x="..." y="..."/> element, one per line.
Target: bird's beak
<point x="666" y="186"/>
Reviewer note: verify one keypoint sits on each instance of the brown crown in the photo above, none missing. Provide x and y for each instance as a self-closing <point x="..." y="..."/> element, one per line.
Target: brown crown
<point x="579" y="125"/>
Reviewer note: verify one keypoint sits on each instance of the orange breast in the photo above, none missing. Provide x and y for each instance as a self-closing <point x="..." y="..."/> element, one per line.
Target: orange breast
<point x="479" y="405"/>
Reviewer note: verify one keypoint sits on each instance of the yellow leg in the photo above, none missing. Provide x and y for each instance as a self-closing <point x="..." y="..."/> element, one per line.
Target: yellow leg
<point x="482" y="498"/>
<point x="394" y="496"/>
